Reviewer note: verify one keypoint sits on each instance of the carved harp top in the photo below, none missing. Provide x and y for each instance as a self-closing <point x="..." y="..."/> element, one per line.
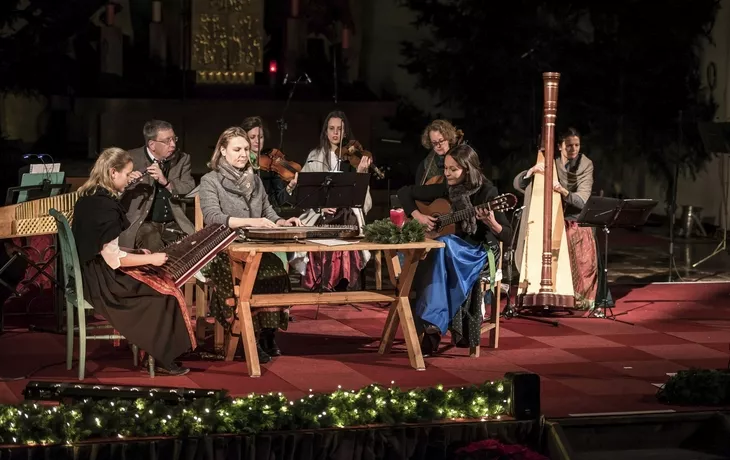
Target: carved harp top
<point x="542" y="250"/>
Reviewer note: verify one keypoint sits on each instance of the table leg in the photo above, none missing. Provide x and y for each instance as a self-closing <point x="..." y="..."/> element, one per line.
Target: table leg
<point x="243" y="323"/>
<point x="400" y="310"/>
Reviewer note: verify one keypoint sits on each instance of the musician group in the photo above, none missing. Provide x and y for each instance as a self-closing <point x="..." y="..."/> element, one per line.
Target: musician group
<point x="126" y="214"/>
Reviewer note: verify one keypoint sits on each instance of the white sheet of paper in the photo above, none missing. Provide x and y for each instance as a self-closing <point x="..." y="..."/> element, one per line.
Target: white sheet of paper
<point x="331" y="242"/>
<point x="40" y="168"/>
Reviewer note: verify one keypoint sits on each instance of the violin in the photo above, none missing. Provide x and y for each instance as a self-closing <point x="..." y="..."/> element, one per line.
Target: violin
<point x="275" y="161"/>
<point x="440" y="178"/>
<point x="353" y="152"/>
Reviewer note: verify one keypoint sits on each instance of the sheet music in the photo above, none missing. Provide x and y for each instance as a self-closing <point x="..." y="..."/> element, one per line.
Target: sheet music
<point x="331" y="242"/>
<point x="40" y="168"/>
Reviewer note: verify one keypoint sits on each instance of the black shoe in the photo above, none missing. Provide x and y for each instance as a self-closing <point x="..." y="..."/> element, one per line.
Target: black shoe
<point x="172" y="369"/>
<point x="268" y="342"/>
<point x="263" y="356"/>
<point x="430" y="342"/>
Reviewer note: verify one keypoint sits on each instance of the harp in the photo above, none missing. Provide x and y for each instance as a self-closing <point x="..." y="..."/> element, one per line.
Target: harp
<point x="542" y="248"/>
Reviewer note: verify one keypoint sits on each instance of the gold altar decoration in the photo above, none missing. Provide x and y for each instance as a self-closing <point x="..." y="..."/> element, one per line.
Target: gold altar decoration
<point x="227" y="40"/>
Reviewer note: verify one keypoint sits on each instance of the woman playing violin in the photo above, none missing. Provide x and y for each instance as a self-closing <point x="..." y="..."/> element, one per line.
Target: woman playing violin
<point x="278" y="191"/>
<point x="339" y="271"/>
<point x="438" y="137"/>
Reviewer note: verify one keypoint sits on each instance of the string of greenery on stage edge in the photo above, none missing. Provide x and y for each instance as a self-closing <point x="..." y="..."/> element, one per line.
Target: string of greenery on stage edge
<point x="385" y="231"/>
<point x="32" y="424"/>
<point x="700" y="387"/>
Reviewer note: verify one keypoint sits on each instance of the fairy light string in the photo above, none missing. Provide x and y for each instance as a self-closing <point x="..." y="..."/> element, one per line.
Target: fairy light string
<point x="35" y="424"/>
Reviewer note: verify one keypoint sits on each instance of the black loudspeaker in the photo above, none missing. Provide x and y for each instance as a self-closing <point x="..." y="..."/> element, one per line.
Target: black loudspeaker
<point x="525" y="401"/>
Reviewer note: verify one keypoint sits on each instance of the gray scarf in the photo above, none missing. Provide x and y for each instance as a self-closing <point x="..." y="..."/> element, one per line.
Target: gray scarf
<point x="241" y="182"/>
<point x="460" y="198"/>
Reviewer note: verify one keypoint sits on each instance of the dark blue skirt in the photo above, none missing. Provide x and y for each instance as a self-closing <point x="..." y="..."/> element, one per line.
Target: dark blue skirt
<point x="446" y="278"/>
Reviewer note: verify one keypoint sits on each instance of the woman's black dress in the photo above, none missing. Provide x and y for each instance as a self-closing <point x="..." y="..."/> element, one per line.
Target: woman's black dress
<point x="151" y="320"/>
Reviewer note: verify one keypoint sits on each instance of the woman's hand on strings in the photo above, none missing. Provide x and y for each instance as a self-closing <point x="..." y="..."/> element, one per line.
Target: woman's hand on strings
<point x="364" y="164"/>
<point x="538" y="168"/>
<point x="291" y="222"/>
<point x="487" y="217"/>
<point x="560" y="189"/>
<point x="428" y="221"/>
<point x="157" y="259"/>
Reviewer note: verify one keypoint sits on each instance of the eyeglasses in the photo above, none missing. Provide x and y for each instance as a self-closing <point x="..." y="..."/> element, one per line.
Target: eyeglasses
<point x="438" y="143"/>
<point x="168" y="141"/>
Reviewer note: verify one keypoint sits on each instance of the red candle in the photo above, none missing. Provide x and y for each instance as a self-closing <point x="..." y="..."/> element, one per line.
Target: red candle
<point x="398" y="217"/>
<point x="110" y="14"/>
<point x="345" y="38"/>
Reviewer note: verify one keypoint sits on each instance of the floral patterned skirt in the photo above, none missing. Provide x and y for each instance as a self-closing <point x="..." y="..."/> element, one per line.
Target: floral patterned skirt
<point x="272" y="278"/>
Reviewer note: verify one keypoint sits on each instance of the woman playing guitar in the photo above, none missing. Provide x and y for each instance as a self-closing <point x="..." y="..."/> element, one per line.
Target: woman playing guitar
<point x="444" y="281"/>
<point x="438" y="137"/>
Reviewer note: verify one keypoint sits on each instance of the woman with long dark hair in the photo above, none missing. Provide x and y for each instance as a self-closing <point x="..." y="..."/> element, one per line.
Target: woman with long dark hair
<point x="445" y="279"/>
<point x="574" y="183"/>
<point x="333" y="270"/>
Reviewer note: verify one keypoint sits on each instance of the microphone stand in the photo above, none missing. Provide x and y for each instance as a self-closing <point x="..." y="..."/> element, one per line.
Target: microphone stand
<point x="509" y="311"/>
<point x="281" y="122"/>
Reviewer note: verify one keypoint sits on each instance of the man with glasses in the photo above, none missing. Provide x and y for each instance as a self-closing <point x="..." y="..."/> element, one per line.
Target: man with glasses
<point x="155" y="219"/>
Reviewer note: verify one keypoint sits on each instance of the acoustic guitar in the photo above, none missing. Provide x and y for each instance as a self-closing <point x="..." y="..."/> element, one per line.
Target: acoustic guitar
<point x="447" y="220"/>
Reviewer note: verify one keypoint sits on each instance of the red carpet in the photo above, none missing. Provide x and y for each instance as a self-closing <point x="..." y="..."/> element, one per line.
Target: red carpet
<point x="586" y="365"/>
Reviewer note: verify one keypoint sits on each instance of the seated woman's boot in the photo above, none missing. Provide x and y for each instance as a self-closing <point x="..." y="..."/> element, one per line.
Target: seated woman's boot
<point x="268" y="342"/>
<point x="431" y="340"/>
<point x="263" y="356"/>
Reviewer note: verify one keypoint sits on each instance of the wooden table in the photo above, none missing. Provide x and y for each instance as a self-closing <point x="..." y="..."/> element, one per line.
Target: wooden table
<point x="245" y="261"/>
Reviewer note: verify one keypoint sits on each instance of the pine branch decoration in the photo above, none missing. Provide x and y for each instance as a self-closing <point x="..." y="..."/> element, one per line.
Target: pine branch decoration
<point x="385" y="231"/>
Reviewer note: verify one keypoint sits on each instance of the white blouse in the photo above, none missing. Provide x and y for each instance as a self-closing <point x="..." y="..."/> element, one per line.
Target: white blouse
<point x="112" y="254"/>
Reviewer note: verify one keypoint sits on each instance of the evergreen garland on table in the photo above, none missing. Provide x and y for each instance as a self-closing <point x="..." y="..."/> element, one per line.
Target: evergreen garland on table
<point x="385" y="231"/>
<point x="32" y="424"/>
<point x="699" y="387"/>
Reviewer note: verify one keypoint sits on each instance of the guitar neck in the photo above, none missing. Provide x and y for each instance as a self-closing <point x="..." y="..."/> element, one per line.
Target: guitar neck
<point x="458" y="216"/>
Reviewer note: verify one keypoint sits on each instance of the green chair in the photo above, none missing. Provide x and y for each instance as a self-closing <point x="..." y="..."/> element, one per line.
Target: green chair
<point x="74" y="295"/>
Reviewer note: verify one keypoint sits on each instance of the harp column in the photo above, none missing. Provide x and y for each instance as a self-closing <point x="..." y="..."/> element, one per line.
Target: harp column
<point x="552" y="250"/>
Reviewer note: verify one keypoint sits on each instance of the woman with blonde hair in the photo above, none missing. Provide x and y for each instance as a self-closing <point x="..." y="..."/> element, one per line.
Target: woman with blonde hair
<point x="154" y="321"/>
<point x="438" y="137"/>
<point x="233" y="195"/>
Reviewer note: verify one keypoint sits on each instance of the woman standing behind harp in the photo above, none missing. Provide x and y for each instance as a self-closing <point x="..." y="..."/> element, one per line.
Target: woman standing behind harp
<point x="333" y="271"/>
<point x="574" y="184"/>
<point x="233" y="195"/>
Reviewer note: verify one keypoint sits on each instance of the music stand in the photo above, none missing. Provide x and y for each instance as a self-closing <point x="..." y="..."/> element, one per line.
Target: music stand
<point x="610" y="213"/>
<point x="715" y="138"/>
<point x="331" y="190"/>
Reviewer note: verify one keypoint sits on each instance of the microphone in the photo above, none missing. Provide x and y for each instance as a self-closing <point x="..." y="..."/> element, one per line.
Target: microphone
<point x="519" y="210"/>
<point x="286" y="78"/>
<point x="309" y="80"/>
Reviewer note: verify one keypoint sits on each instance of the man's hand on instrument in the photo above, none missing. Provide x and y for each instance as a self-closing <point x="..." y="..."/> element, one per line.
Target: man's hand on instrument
<point x="156" y="173"/>
<point x="364" y="164"/>
<point x="538" y="168"/>
<point x="134" y="175"/>
<point x="157" y="259"/>
<point x="291" y="222"/>
<point x="428" y="221"/>
<point x="329" y="211"/>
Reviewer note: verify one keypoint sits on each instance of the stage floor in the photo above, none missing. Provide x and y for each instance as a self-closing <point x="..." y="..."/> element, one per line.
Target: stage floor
<point x="586" y="365"/>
